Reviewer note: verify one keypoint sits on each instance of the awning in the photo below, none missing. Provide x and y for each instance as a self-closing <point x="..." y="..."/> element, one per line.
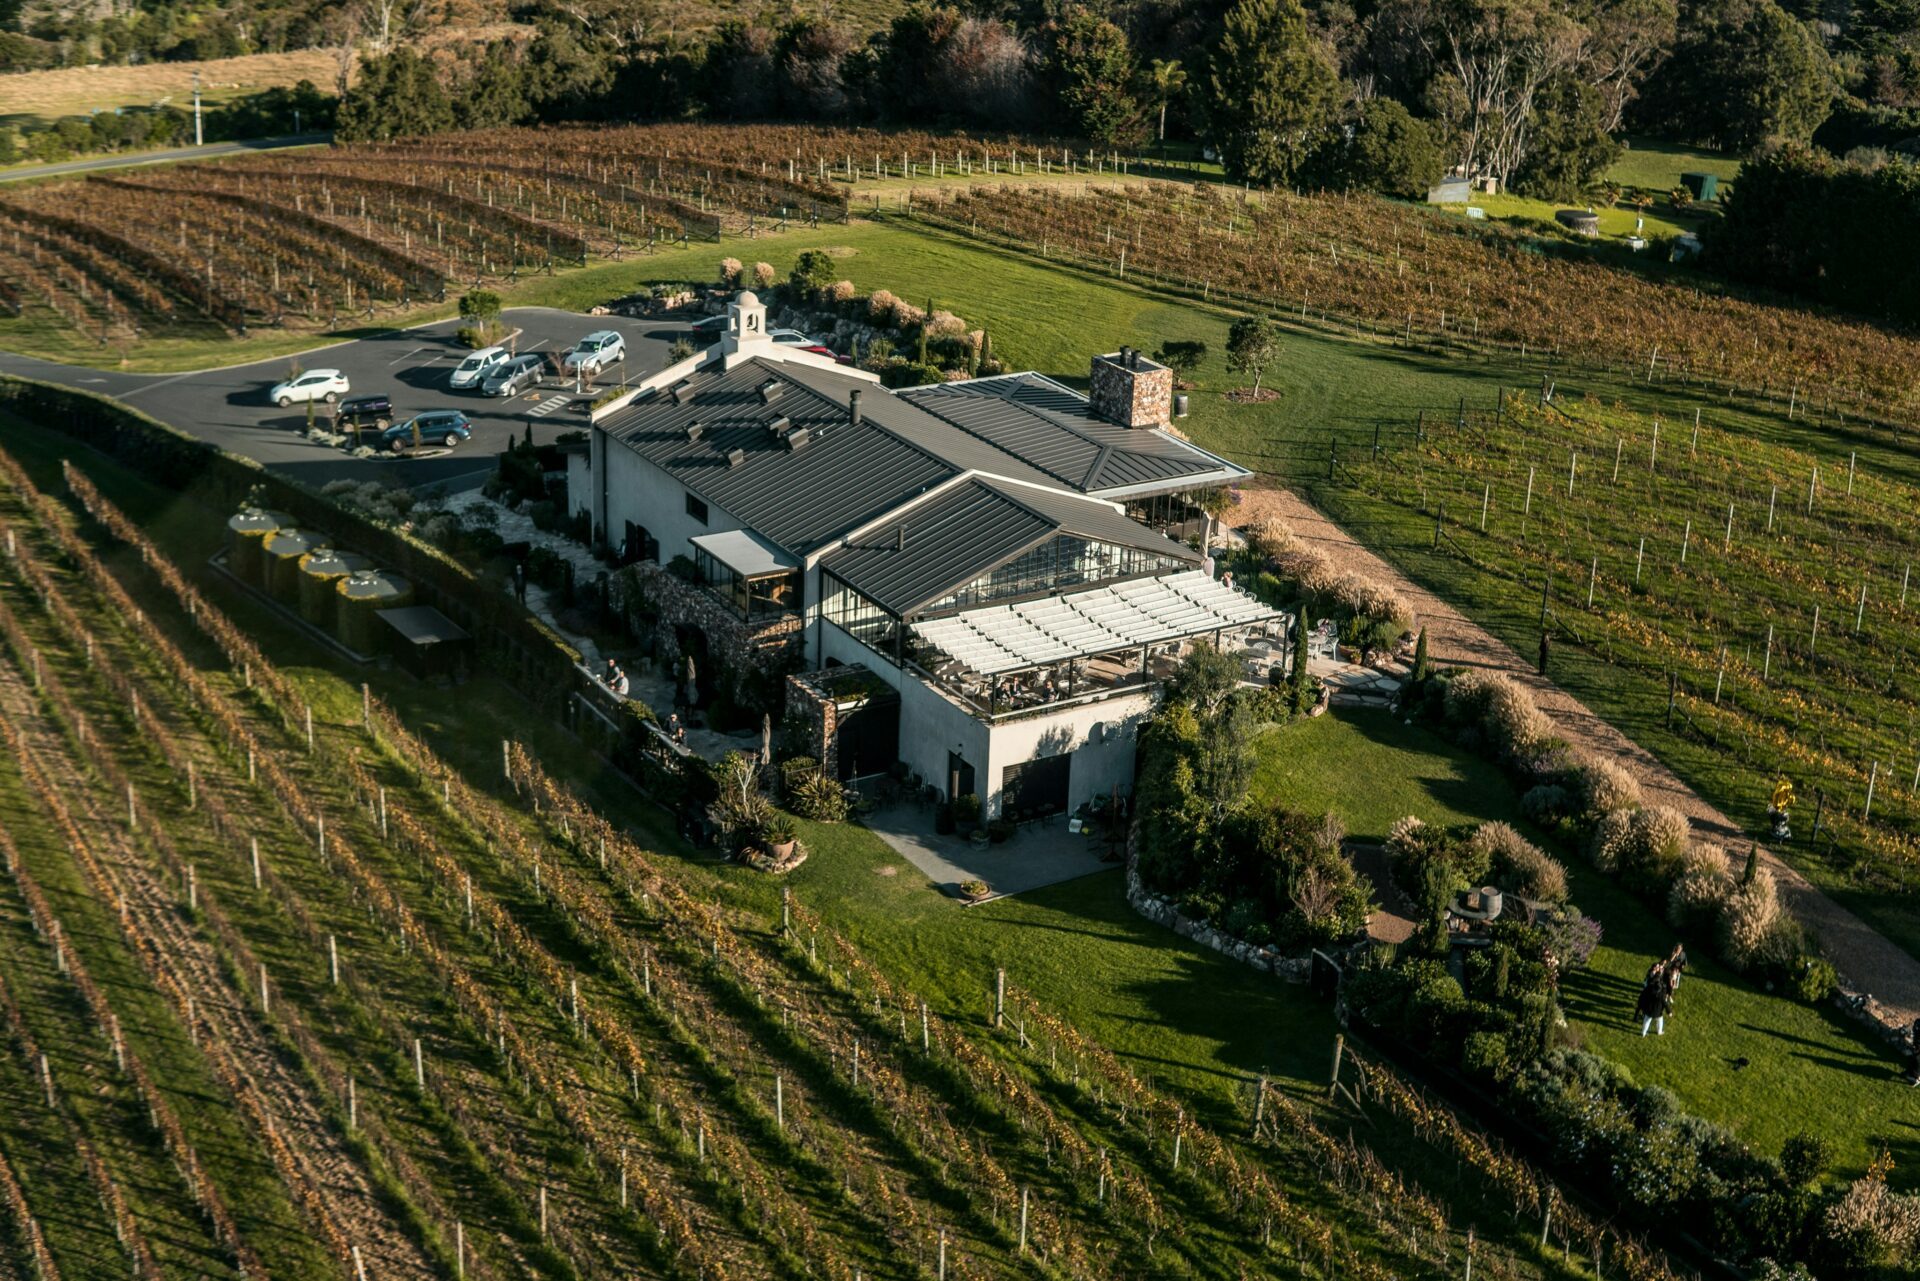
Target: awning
<point x="746" y="553"/>
<point x="1145" y="611"/>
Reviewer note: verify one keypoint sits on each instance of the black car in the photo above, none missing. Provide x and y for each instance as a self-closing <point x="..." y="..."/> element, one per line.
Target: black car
<point x="366" y="411"/>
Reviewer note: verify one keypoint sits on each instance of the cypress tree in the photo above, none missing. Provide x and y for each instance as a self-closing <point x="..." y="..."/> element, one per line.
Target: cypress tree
<point x="1421" y="667"/>
<point x="1300" y="680"/>
<point x="1753" y="864"/>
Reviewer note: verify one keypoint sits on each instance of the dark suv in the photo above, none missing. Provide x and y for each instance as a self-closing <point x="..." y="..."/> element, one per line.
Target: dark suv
<point x="445" y="428"/>
<point x="366" y="411"/>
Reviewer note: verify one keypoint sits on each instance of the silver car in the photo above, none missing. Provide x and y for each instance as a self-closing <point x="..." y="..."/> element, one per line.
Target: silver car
<point x="510" y="377"/>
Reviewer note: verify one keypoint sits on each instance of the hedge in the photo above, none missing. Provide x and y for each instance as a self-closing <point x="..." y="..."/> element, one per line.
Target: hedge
<point x="509" y="638"/>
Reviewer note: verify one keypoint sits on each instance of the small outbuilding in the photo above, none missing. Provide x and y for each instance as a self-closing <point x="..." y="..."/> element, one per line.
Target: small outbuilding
<point x="1704" y="186"/>
<point x="1579" y="221"/>
<point x="426" y="642"/>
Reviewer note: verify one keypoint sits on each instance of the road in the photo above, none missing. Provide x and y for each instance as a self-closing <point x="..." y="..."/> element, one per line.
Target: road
<point x="171" y="154"/>
<point x="228" y="407"/>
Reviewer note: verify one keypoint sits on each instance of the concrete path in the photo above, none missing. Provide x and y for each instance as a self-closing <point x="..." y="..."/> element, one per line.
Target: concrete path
<point x="169" y="155"/>
<point x="1865" y="958"/>
<point x="1036" y="856"/>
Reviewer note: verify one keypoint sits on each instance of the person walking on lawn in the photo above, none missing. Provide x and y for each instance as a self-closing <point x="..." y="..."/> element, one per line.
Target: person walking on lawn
<point x="1656" y="999"/>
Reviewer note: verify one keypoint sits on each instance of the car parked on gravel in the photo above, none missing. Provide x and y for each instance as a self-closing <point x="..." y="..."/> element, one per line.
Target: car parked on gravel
<point x="444" y="428"/>
<point x="316" y="384"/>
<point x="510" y="377"/>
<point x="473" y="371"/>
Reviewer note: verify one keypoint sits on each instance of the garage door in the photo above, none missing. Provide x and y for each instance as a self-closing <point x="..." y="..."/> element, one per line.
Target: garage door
<point x="1036" y="787"/>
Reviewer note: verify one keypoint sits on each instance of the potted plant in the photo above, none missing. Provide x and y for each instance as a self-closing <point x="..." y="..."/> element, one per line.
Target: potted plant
<point x="779" y="836"/>
<point x="966" y="813"/>
<point x="1000" y="830"/>
<point x="975" y="890"/>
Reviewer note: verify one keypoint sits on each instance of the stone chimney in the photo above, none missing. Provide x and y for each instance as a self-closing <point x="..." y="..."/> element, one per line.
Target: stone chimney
<point x="1129" y="389"/>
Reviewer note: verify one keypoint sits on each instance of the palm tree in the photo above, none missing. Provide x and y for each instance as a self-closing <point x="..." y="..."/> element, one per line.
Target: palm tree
<point x="1168" y="78"/>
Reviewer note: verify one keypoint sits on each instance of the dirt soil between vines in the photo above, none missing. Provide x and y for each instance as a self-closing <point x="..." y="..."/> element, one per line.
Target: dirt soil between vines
<point x="1866" y="960"/>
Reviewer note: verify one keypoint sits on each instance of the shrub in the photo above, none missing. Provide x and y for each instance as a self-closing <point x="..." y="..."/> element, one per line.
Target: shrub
<point x="1815" y="980"/>
<point x="813" y="795"/>
<point x="1607" y="842"/>
<point x="812" y="271"/>
<point x="1486" y="1054"/>
<point x="1513" y="725"/>
<point x="762" y="275"/>
<point x="1699" y="892"/>
<point x="730" y="272"/>
<point x="1870" y="1223"/>
<point x="1271" y="538"/>
<point x="1517" y="865"/>
<point x="944" y="324"/>
<point x="905" y="316"/>
<point x="1546" y="803"/>
<point x="1606" y="787"/>
<point x="1748" y="918"/>
<point x="880" y="305"/>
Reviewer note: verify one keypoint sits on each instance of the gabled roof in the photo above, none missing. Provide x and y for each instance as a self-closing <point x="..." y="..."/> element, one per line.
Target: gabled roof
<point x="1038" y="420"/>
<point x="950" y="538"/>
<point x="842" y="474"/>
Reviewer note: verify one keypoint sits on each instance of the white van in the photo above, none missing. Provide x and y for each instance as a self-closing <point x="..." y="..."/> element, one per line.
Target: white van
<point x="472" y="371"/>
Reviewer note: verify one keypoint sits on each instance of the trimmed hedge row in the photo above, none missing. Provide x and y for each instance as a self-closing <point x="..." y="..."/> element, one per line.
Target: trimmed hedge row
<point x="511" y="640"/>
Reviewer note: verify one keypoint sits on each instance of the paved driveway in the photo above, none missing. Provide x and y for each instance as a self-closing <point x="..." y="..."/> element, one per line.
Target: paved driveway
<point x="229" y="406"/>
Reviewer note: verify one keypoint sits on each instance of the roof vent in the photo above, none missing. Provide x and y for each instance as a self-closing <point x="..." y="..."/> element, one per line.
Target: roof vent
<point x="853" y="407"/>
<point x="695" y="430"/>
<point x="780" y="425"/>
<point x="735" y="457"/>
<point x="770" y="390"/>
<point x="796" y="438"/>
<point x="900" y="538"/>
<point x="682" y="389"/>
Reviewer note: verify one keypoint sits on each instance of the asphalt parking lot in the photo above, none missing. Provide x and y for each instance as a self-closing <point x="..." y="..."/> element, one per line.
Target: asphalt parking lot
<point x="229" y="406"/>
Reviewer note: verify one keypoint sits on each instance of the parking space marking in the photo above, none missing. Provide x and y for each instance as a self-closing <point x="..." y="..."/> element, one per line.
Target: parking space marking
<point x="536" y="347"/>
<point x="409" y="356"/>
<point x="547" y="406"/>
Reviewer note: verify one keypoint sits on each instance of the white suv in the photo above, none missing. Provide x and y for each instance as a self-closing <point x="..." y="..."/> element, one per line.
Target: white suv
<point x="472" y="371"/>
<point x="595" y="352"/>
<point x="316" y="384"/>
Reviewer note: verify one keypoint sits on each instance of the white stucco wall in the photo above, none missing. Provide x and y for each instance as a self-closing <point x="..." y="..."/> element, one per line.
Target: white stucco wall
<point x="638" y="491"/>
<point x="1097" y="767"/>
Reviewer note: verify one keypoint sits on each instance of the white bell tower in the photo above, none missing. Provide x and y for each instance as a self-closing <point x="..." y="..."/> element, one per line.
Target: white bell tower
<point x="746" y="324"/>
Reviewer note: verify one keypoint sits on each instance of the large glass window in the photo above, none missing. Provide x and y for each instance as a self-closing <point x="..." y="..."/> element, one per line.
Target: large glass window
<point x="861" y="617"/>
<point x="763" y="596"/>
<point x="697" y="508"/>
<point x="1065" y="563"/>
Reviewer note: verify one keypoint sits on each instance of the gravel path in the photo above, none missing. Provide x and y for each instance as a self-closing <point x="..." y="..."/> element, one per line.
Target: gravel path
<point x="1865" y="959"/>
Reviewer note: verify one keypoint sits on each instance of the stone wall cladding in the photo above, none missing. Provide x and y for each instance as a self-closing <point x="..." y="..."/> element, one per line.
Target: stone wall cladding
<point x="810" y="705"/>
<point x="1138" y="397"/>
<point x="731" y="641"/>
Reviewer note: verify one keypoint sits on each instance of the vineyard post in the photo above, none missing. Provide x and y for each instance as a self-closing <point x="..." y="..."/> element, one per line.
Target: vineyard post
<point x="193" y="888"/>
<point x="1439" y="519"/>
<point x="1653" y="455"/>
<point x="1873" y="777"/>
<point x="467" y="882"/>
<point x="623" y="1177"/>
<point x="1813" y="637"/>
<point x="1813" y="483"/>
<point x="1685" y="538"/>
<point x="366" y="706"/>
<point x="460" y="1247"/>
<point x="382" y="802"/>
<point x="1766" y="661"/>
<point x="786" y="906"/>
<point x="132" y="815"/>
<point x="1719" y="676"/>
<point x="1673" y="694"/>
<point x="1904" y="573"/>
<point x="506" y="759"/>
<point x="1546" y="593"/>
<point x="1619" y="445"/>
<point x="250" y="763"/>
<point x="999" y="998"/>
<point x="1546" y="1223"/>
<point x="1023" y="1214"/>
<point x="543" y="1211"/>
<point x="1486" y="496"/>
<point x="780" y="1101"/>
<point x="192" y="791"/>
<point x="856" y="1062"/>
<point x="1527" y="508"/>
<point x="926" y="1040"/>
<point x="321" y="825"/>
<point x="1259" y="1102"/>
<point x="1772" y="496"/>
<point x="253" y="844"/>
<point x="1726" y="544"/>
<point x="940" y="1267"/>
<point x="1333" y="1079"/>
<point x="1639" y="558"/>
<point x="1593" y="577"/>
<point x="1573" y="466"/>
<point x="266" y="1001"/>
<point x="1860" y="612"/>
<point x="419" y="1065"/>
<point x="309" y="727"/>
<point x="46" y="1079"/>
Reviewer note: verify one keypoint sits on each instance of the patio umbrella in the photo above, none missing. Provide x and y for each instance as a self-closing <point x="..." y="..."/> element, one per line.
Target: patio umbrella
<point x="693" y="689"/>
<point x="766" y="738"/>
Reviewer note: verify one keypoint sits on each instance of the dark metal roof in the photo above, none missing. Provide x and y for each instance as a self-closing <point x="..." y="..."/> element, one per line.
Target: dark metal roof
<point x="1052" y="428"/>
<point x="840" y="477"/>
<point x="950" y="538"/>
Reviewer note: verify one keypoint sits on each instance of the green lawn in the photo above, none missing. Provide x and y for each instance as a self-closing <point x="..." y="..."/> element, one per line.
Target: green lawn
<point x="1646" y="163"/>
<point x="1733" y="1054"/>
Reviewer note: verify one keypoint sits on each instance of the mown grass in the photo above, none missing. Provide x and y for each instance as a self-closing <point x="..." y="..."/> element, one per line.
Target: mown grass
<point x="1734" y="1054"/>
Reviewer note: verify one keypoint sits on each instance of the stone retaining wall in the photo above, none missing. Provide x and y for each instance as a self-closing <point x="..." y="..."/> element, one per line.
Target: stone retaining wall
<point x="1161" y="910"/>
